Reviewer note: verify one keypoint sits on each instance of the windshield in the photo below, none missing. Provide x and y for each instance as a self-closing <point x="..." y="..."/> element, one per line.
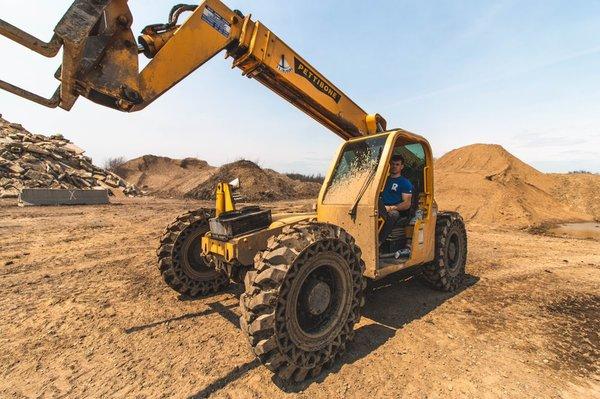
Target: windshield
<point x="357" y="162"/>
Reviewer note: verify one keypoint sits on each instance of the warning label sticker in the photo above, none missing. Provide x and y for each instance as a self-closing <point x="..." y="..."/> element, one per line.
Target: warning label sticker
<point x="212" y="18"/>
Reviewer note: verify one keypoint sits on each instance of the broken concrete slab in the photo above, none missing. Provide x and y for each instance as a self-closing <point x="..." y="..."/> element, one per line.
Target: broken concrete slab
<point x="35" y="161"/>
<point x="73" y="148"/>
<point x="42" y="196"/>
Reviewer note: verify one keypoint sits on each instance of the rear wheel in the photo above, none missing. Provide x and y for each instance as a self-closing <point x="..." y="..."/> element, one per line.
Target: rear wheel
<point x="180" y="259"/>
<point x="303" y="298"/>
<point x="447" y="271"/>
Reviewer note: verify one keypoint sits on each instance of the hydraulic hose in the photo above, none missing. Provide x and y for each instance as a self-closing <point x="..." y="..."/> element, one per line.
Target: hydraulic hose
<point x="178" y="10"/>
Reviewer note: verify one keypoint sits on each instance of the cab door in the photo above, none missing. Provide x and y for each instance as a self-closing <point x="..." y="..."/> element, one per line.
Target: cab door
<point x="349" y="195"/>
<point x="418" y="169"/>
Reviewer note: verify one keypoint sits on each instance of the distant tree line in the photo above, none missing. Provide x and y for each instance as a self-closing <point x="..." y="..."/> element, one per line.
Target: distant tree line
<point x="315" y="178"/>
<point x="113" y="163"/>
<point x="581" y="172"/>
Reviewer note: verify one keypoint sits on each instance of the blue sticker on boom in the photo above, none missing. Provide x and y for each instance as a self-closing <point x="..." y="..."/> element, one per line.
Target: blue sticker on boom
<point x="211" y="17"/>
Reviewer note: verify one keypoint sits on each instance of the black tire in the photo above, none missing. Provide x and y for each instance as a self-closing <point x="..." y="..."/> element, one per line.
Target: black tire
<point x="180" y="261"/>
<point x="447" y="271"/>
<point x="303" y="299"/>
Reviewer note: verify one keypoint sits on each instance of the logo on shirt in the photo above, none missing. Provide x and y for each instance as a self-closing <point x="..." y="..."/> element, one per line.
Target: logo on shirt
<point x="394" y="187"/>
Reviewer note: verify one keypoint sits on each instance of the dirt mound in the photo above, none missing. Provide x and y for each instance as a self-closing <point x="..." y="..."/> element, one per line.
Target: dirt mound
<point x="580" y="191"/>
<point x="30" y="160"/>
<point x="164" y="176"/>
<point x="494" y="162"/>
<point x="257" y="184"/>
<point x="488" y="185"/>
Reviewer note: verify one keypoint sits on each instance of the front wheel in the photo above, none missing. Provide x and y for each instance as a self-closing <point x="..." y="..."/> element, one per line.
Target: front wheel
<point x="303" y="299"/>
<point x="447" y="271"/>
<point x="180" y="259"/>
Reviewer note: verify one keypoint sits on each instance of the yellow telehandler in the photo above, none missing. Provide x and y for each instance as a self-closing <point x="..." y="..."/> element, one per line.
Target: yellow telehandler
<point x="304" y="274"/>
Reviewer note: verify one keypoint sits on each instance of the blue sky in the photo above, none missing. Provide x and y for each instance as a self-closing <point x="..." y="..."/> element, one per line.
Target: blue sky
<point x="525" y="75"/>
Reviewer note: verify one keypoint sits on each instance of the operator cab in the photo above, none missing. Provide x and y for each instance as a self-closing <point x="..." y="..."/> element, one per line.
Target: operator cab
<point x="351" y="197"/>
<point x="400" y="238"/>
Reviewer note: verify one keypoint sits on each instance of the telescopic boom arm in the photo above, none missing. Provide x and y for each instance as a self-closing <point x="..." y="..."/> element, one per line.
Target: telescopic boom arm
<point x="100" y="61"/>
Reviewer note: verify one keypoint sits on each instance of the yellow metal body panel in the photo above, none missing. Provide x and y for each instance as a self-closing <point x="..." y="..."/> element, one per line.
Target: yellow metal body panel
<point x="194" y="43"/>
<point x="242" y="249"/>
<point x="272" y="62"/>
<point x="225" y="249"/>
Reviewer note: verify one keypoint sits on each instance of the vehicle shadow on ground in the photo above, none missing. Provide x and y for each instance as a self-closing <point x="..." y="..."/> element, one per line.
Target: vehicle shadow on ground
<point x="233" y="289"/>
<point x="214" y="307"/>
<point x="225" y="310"/>
<point x="392" y="303"/>
<point x="395" y="302"/>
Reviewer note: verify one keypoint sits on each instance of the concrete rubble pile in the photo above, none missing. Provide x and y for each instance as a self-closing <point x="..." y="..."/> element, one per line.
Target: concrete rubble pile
<point x="30" y="160"/>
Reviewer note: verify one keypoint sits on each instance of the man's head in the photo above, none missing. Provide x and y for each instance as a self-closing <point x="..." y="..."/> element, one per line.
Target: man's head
<point x="396" y="165"/>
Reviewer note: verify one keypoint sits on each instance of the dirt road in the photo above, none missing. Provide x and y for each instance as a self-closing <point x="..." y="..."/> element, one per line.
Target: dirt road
<point x="83" y="313"/>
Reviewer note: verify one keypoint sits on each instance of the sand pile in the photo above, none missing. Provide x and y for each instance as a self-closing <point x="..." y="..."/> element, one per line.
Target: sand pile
<point x="166" y="177"/>
<point x="257" y="184"/>
<point x="580" y="191"/>
<point x="30" y="160"/>
<point x="488" y="185"/>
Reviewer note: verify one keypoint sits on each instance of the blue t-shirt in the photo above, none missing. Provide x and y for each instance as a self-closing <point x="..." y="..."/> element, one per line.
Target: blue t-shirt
<point x="394" y="188"/>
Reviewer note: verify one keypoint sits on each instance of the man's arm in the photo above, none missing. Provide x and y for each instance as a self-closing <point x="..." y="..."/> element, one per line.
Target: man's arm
<point x="404" y="205"/>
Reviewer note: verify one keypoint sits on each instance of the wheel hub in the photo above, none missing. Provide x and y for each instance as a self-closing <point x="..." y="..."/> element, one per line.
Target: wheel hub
<point x="319" y="298"/>
<point x="452" y="251"/>
<point x="193" y="262"/>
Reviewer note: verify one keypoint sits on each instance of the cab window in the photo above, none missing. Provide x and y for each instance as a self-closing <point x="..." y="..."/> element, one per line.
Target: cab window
<point x="415" y="162"/>
<point x="356" y="165"/>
